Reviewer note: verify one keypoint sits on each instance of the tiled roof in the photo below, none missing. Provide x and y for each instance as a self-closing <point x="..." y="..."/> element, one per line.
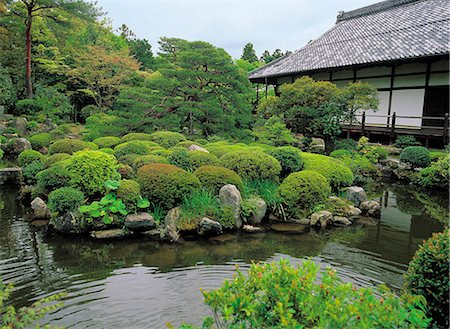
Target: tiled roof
<point x="387" y="31"/>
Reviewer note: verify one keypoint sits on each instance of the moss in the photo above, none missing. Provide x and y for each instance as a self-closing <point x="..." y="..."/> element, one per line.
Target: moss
<point x="134" y="147"/>
<point x="28" y="156"/>
<point x="107" y="141"/>
<point x="213" y="178"/>
<point x="70" y="146"/>
<point x="167" y="139"/>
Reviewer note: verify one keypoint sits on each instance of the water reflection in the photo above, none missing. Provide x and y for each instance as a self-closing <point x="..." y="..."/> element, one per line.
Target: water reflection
<point x="139" y="283"/>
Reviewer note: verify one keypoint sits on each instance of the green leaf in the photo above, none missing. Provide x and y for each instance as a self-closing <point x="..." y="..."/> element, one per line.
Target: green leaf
<point x="107" y="219"/>
<point x="123" y="212"/>
<point x="112" y="184"/>
<point x="95" y="213"/>
<point x="143" y="203"/>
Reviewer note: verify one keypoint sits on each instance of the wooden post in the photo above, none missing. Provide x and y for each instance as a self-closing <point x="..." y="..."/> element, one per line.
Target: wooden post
<point x="257" y="94"/>
<point x="445" y="134"/>
<point x="392" y="136"/>
<point x="363" y="124"/>
<point x="267" y="87"/>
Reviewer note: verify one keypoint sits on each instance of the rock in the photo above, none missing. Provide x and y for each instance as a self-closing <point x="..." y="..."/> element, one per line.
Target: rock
<point x="170" y="233"/>
<point x="230" y="196"/>
<point x="370" y="208"/>
<point x="252" y="229"/>
<point x="259" y="207"/>
<point x="109" y="234"/>
<point x="341" y="221"/>
<point x="69" y="223"/>
<point x="393" y="150"/>
<point x="40" y="209"/>
<point x="317" y="146"/>
<point x="194" y="147"/>
<point x="43" y="150"/>
<point x="21" y="125"/>
<point x="352" y="212"/>
<point x="20" y="144"/>
<point x="356" y="195"/>
<point x="140" y="222"/>
<point x="209" y="227"/>
<point x="288" y="228"/>
<point x="323" y="218"/>
<point x="303" y="221"/>
<point x="39" y="223"/>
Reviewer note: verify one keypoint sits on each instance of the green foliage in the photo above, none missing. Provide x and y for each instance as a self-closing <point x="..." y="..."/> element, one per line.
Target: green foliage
<point x="335" y="171"/>
<point x="107" y="150"/>
<point x="134" y="147"/>
<point x="289" y="158"/>
<point x="167" y="139"/>
<point x="147" y="159"/>
<point x="303" y="190"/>
<point x="107" y="141"/>
<point x="274" y="132"/>
<point x="41" y="140"/>
<point x="195" y="206"/>
<point x="436" y="156"/>
<point x="28" y="156"/>
<point x="129" y="192"/>
<point x="165" y="184"/>
<point x="345" y="144"/>
<point x="376" y="154"/>
<point x="222" y="147"/>
<point x="279" y="295"/>
<point x="266" y="189"/>
<point x="136" y="137"/>
<point x="416" y="156"/>
<point x="405" y="141"/>
<point x="88" y="170"/>
<point x="362" y="168"/>
<point x="252" y="165"/>
<point x="6" y="86"/>
<point x="188" y="143"/>
<point x="103" y="124"/>
<point x="128" y="159"/>
<point x="109" y="209"/>
<point x="191" y="160"/>
<point x="249" y="54"/>
<point x="427" y="275"/>
<point x="436" y="175"/>
<point x="54" y="177"/>
<point x="212" y="178"/>
<point x="65" y="199"/>
<point x="70" y="146"/>
<point x="30" y="171"/>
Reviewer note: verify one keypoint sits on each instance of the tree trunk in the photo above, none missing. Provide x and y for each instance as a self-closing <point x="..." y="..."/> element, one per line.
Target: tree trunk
<point x="29" y="22"/>
<point x="329" y="144"/>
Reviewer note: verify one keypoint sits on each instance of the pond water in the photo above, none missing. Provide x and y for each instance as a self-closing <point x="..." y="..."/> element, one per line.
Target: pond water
<point x="138" y="283"/>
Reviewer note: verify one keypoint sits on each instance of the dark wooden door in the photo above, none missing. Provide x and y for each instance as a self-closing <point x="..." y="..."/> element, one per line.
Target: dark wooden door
<point x="436" y="105"/>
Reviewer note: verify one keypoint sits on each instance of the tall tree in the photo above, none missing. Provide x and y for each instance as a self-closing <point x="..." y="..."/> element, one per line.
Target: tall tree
<point x="249" y="53"/>
<point x="141" y="49"/>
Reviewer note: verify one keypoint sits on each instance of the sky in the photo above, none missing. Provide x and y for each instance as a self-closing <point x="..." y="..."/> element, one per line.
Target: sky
<point x="230" y="24"/>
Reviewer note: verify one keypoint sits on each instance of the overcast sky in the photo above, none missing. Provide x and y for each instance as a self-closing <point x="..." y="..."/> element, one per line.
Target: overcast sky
<point x="230" y="24"/>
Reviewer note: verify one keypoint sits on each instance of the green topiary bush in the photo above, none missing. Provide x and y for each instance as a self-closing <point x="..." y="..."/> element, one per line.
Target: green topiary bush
<point x="377" y="153"/>
<point x="28" y="156"/>
<point x="54" y="177"/>
<point x="70" y="146"/>
<point x="346" y="144"/>
<point x="289" y="158"/>
<point x="341" y="153"/>
<point x="191" y="160"/>
<point x="136" y="137"/>
<point x="186" y="144"/>
<point x="213" y="178"/>
<point x="147" y="159"/>
<point x="54" y="158"/>
<point x="134" y="147"/>
<point x="252" y="165"/>
<point x="435" y="176"/>
<point x="428" y="275"/>
<point x="335" y="171"/>
<point x="107" y="150"/>
<point x="165" y="184"/>
<point x="436" y="156"/>
<point x="30" y="171"/>
<point x="41" y="140"/>
<point x="416" y="156"/>
<point x="362" y="168"/>
<point x="128" y="159"/>
<point x="405" y="141"/>
<point x="303" y="190"/>
<point x="107" y="141"/>
<point x="89" y="170"/>
<point x="129" y="192"/>
<point x="65" y="199"/>
<point x="167" y="139"/>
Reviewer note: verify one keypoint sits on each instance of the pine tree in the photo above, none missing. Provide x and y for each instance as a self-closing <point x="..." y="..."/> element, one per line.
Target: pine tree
<point x="249" y="53"/>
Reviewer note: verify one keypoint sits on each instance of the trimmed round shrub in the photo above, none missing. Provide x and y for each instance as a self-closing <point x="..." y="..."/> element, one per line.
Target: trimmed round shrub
<point x="300" y="191"/>
<point x="70" y="146"/>
<point x="54" y="158"/>
<point x="65" y="199"/>
<point x="336" y="172"/>
<point x="252" y="165"/>
<point x="134" y="147"/>
<point x="28" y="156"/>
<point x="167" y="138"/>
<point x="129" y="191"/>
<point x="427" y="275"/>
<point x="107" y="150"/>
<point x="166" y="184"/>
<point x="107" y="141"/>
<point x="341" y="153"/>
<point x="128" y="159"/>
<point x="405" y="141"/>
<point x="201" y="141"/>
<point x="30" y="171"/>
<point x="416" y="156"/>
<point x="346" y="144"/>
<point x="186" y="144"/>
<point x="41" y="140"/>
<point x="54" y="177"/>
<point x="289" y="158"/>
<point x="136" y="137"/>
<point x="126" y="171"/>
<point x="147" y="159"/>
<point x="191" y="160"/>
<point x="377" y="153"/>
<point x="213" y="178"/>
<point x="436" y="175"/>
<point x="89" y="170"/>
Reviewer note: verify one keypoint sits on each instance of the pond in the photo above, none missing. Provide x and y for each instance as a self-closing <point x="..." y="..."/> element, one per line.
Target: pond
<point x="138" y="283"/>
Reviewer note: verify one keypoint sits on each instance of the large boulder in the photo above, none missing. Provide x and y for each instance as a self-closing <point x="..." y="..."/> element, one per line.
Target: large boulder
<point x="230" y="196"/>
<point x="353" y="212"/>
<point x="19" y="145"/>
<point x="356" y="195"/>
<point x="109" y="234"/>
<point x="68" y="223"/>
<point x="259" y="209"/>
<point x="341" y="221"/>
<point x="140" y="222"/>
<point x="370" y="208"/>
<point x="322" y="218"/>
<point x="317" y="146"/>
<point x="169" y="232"/>
<point x="40" y="209"/>
<point x="194" y="147"/>
<point x="209" y="227"/>
<point x="21" y="125"/>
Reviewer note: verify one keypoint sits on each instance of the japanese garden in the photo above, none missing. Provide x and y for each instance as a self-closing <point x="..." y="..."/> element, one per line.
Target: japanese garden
<point x="174" y="186"/>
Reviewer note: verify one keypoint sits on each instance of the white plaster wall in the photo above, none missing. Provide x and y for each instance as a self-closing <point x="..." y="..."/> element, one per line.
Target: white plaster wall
<point x="383" y="110"/>
<point x="409" y="103"/>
